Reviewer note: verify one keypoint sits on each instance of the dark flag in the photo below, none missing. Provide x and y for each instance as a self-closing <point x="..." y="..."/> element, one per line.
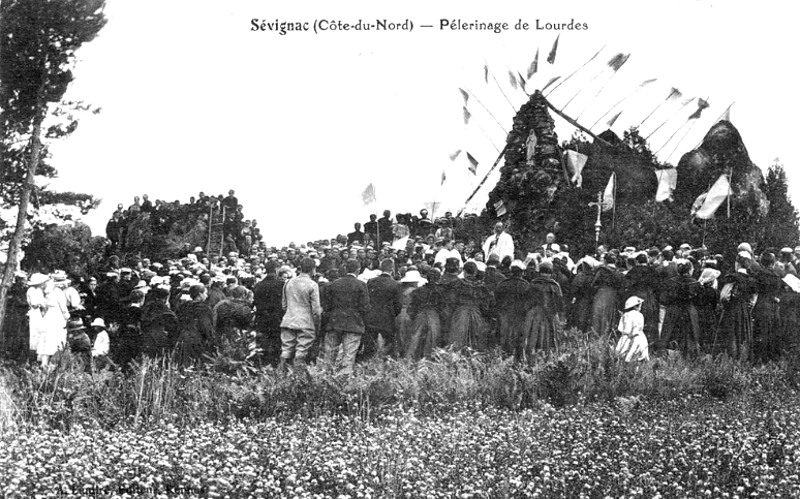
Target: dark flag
<point x="551" y="58"/>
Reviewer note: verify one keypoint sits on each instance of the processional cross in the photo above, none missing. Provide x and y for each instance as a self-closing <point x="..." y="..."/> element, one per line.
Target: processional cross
<point x="597" y="224"/>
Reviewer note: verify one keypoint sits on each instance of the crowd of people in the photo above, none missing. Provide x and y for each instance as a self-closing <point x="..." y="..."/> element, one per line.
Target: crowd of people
<point x="405" y="287"/>
<point x="239" y="235"/>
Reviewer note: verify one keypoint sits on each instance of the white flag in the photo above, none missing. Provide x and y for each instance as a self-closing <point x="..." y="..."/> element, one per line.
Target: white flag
<point x="576" y="161"/>
<point x="667" y="180"/>
<point x="368" y="196"/>
<point x="714" y="198"/>
<point x="609" y="193"/>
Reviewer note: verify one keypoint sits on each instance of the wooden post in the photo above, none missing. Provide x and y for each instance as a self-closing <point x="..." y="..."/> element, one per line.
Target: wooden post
<point x="210" y="226"/>
<point x="577" y="125"/>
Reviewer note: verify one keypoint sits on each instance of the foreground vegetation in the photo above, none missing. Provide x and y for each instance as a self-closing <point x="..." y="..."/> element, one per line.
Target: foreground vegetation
<point x="578" y="423"/>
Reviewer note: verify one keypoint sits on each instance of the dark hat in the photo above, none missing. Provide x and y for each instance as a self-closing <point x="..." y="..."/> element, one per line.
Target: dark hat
<point x="75" y="325"/>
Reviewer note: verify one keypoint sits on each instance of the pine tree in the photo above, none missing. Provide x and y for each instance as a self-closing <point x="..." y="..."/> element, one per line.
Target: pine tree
<point x="782" y="221"/>
<point x="38" y="40"/>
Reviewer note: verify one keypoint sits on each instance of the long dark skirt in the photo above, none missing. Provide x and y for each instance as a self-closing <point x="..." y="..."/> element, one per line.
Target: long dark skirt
<point x="681" y="329"/>
<point x="512" y="334"/>
<point x="735" y="332"/>
<point x="708" y="326"/>
<point x="468" y="328"/>
<point x="540" y="331"/>
<point x="425" y="334"/>
<point x="604" y="310"/>
<point x="767" y="331"/>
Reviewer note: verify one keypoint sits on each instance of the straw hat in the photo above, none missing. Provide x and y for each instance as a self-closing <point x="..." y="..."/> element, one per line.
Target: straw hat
<point x="38" y="279"/>
<point x="98" y="322"/>
<point x="632" y="302"/>
<point x="412" y="276"/>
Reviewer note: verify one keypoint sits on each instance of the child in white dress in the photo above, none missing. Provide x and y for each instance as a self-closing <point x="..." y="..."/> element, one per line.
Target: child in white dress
<point x="633" y="343"/>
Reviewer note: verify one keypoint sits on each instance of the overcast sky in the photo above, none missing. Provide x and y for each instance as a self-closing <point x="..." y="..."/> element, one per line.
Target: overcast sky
<point x="299" y="124"/>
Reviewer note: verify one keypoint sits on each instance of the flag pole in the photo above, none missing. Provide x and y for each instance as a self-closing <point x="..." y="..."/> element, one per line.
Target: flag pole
<point x="496" y="162"/>
<point x="577" y="125"/>
<point x="730" y="179"/>
<point x="598" y="224"/>
<point x="377" y="225"/>
<point x="614" y="200"/>
<point x="487" y="110"/>
<point x="488" y="70"/>
<point x="574" y="72"/>
<point x="705" y="225"/>
<point x="641" y="86"/>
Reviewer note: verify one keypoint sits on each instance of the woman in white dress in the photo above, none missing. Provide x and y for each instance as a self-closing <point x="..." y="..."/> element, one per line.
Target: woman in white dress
<point x="54" y="322"/>
<point x="36" y="302"/>
<point x="633" y="342"/>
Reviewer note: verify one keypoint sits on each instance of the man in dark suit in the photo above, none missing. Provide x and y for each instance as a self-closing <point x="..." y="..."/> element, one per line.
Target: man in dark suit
<point x="423" y="225"/>
<point x="385" y="227"/>
<point x="371" y="229"/>
<point x="267" y="295"/>
<point x="345" y="303"/>
<point x="356" y="236"/>
<point x="385" y="304"/>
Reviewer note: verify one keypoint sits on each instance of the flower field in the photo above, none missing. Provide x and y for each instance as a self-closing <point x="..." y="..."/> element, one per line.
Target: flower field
<point x="578" y="423"/>
<point x="693" y="447"/>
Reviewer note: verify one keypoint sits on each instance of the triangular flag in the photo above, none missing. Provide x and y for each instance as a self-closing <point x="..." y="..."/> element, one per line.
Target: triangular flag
<point x="608" y="194"/>
<point x="617" y="61"/>
<point x="667" y="180"/>
<point x="698" y="203"/>
<point x="444" y="177"/>
<point x="368" y="196"/>
<point x="521" y="82"/>
<point x="613" y="119"/>
<point x="455" y="155"/>
<point x="714" y="198"/>
<point x="465" y="95"/>
<point x="467" y="115"/>
<point x="575" y="162"/>
<point x="701" y="104"/>
<point x="500" y="208"/>
<point x="674" y="93"/>
<point x="513" y="79"/>
<point x="534" y="67"/>
<point x="530" y="146"/>
<point x="551" y="58"/>
<point x="473" y="164"/>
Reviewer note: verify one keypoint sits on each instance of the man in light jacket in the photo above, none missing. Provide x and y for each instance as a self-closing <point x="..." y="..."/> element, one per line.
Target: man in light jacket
<point x="301" y="317"/>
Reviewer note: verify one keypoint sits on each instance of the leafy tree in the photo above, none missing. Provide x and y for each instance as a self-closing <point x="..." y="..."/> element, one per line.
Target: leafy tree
<point x="68" y="247"/>
<point x="38" y="40"/>
<point x="782" y="229"/>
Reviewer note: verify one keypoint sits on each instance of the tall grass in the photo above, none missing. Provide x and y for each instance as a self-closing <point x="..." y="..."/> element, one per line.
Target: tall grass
<point x="157" y="391"/>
